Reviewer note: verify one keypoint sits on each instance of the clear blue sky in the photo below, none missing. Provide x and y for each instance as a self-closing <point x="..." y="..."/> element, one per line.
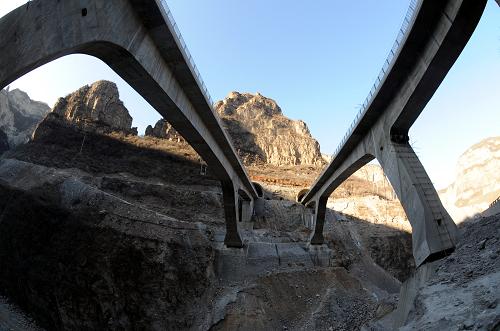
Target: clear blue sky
<point x="318" y="60"/>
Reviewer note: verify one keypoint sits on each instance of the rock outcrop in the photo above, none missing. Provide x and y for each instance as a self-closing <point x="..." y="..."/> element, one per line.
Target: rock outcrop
<point x="19" y="115"/>
<point x="262" y="134"/>
<point x="477" y="180"/>
<point x="163" y="129"/>
<point x="96" y="108"/>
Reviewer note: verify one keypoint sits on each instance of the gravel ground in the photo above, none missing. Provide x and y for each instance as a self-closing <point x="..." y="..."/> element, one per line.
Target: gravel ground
<point x="464" y="294"/>
<point x="13" y="319"/>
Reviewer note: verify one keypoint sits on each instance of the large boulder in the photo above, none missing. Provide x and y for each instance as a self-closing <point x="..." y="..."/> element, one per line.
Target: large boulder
<point x="96" y="107"/>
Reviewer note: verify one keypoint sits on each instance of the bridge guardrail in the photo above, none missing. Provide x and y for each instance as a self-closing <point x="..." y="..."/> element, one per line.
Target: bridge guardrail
<point x="497" y="200"/>
<point x="190" y="59"/>
<point x="383" y="72"/>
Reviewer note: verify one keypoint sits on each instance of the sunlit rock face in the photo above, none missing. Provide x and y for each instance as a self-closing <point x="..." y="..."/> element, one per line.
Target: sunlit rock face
<point x="477" y="181"/>
<point x="19" y="115"/>
<point x="262" y="134"/>
<point x="95" y="107"/>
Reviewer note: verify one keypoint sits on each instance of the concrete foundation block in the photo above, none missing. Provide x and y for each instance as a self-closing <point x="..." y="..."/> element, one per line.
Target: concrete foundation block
<point x="293" y="254"/>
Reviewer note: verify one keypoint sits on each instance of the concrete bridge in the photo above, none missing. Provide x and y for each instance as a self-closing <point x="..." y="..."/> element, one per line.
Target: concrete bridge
<point x="139" y="40"/>
<point x="432" y="37"/>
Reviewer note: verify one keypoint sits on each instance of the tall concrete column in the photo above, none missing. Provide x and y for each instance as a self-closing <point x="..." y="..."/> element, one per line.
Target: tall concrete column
<point x="319" y="217"/>
<point x="433" y="231"/>
<point x="231" y="212"/>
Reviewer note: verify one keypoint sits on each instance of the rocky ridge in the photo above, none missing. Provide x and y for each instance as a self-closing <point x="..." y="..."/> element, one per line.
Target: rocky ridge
<point x="19" y="115"/>
<point x="477" y="180"/>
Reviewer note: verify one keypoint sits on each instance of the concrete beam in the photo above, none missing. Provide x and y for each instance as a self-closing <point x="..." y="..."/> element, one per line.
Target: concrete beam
<point x="137" y="41"/>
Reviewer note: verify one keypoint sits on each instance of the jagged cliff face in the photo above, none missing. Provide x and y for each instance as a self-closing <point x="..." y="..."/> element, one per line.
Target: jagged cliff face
<point x="96" y="108"/>
<point x="19" y="116"/>
<point x="261" y="133"/>
<point x="477" y="180"/>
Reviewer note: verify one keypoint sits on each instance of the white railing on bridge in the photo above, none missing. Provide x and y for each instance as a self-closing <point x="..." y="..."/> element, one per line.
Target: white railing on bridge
<point x="497" y="200"/>
<point x="190" y="59"/>
<point x="380" y="78"/>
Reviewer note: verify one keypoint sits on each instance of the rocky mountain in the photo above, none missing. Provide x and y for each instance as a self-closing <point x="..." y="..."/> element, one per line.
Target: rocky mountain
<point x="19" y="115"/>
<point x="96" y="107"/>
<point x="477" y="180"/>
<point x="262" y="134"/>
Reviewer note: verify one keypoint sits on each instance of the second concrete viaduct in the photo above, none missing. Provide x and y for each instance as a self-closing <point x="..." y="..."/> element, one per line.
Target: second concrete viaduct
<point x="436" y="35"/>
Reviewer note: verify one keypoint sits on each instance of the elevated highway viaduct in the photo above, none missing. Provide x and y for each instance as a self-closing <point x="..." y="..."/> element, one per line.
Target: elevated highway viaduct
<point x="436" y="35"/>
<point x="138" y="39"/>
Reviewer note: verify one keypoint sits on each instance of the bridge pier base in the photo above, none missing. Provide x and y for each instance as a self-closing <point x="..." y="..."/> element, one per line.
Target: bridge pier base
<point x="434" y="233"/>
<point x="232" y="213"/>
<point x="317" y="237"/>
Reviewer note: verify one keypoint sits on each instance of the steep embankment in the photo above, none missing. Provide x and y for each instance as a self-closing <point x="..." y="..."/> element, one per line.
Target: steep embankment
<point x="477" y="180"/>
<point x="458" y="292"/>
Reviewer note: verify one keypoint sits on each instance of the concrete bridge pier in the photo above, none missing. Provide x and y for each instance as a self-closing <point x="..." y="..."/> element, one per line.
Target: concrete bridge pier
<point x="319" y="207"/>
<point x="433" y="231"/>
<point x="231" y="212"/>
<point x="238" y="209"/>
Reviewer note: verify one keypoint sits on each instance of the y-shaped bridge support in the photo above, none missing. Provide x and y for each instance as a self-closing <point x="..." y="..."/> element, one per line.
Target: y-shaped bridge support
<point x="433" y="231"/>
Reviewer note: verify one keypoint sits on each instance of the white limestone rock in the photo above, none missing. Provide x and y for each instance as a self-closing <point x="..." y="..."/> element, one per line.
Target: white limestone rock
<point x="19" y="115"/>
<point x="477" y="180"/>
